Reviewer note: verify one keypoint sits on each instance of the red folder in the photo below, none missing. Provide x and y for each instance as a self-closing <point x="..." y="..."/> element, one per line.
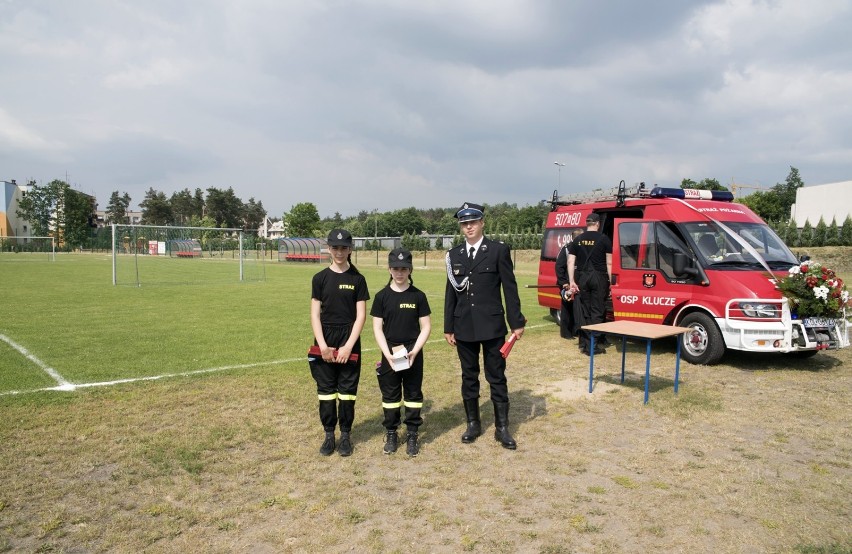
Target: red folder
<point x="315" y="351"/>
<point x="507" y="347"/>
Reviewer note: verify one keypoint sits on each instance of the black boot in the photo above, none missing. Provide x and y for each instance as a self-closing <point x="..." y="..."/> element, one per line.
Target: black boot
<point x="474" y="427"/>
<point x="328" y="444"/>
<point x="412" y="446"/>
<point x="345" y="446"/>
<point x="391" y="442"/>
<point x="501" y="426"/>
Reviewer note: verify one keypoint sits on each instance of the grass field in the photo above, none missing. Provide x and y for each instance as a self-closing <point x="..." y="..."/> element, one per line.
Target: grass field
<point x="192" y="426"/>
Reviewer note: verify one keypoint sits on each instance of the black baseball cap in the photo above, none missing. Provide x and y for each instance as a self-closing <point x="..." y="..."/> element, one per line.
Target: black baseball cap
<point x="339" y="237"/>
<point x="470" y="212"/>
<point x="593" y="218"/>
<point x="400" y="257"/>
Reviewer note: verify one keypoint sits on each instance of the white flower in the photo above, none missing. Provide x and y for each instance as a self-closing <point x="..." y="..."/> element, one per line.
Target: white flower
<point x="844" y="296"/>
<point x="821" y="292"/>
<point x="795" y="270"/>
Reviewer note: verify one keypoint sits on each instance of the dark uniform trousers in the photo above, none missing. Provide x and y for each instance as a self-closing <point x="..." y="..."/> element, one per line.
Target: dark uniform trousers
<point x="337" y="384"/>
<point x="495" y="368"/>
<point x="402" y="388"/>
<point x="594" y="289"/>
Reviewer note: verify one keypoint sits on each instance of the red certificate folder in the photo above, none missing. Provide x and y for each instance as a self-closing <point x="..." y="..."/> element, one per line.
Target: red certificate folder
<point x="507" y="348"/>
<point x="315" y="351"/>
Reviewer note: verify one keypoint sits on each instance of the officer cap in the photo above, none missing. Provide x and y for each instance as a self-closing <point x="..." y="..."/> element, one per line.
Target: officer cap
<point x="470" y="212"/>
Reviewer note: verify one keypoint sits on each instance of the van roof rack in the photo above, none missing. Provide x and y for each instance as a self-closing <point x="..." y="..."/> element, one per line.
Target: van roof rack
<point x="618" y="194"/>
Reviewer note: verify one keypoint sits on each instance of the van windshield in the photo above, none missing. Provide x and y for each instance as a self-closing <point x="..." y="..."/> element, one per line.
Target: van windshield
<point x="715" y="248"/>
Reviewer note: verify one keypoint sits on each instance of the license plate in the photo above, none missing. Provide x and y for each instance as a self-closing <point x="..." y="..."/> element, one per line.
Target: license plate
<point x="813" y="322"/>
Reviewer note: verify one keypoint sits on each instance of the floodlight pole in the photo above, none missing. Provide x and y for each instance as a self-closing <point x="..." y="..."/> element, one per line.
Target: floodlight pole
<point x="376" y="233"/>
<point x="559" y="167"/>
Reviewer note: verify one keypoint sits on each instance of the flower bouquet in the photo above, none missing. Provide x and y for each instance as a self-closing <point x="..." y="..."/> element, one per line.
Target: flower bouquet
<point x="814" y="291"/>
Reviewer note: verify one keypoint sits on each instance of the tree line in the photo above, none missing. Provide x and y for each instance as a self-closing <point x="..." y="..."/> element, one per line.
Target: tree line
<point x="303" y="220"/>
<point x="57" y="206"/>
<point x="219" y="208"/>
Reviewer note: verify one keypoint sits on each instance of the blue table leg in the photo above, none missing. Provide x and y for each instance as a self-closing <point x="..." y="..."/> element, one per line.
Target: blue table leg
<point x="647" y="369"/>
<point x="591" y="360"/>
<point x="677" y="362"/>
<point x="623" y="355"/>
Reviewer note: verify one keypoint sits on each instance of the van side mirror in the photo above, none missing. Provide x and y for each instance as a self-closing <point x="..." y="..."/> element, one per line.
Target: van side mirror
<point x="682" y="265"/>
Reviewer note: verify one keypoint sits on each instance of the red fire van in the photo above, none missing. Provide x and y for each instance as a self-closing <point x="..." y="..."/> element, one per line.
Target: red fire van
<point x="692" y="258"/>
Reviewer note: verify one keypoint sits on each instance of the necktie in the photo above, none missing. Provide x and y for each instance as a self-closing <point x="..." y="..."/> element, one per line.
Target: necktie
<point x="470" y="253"/>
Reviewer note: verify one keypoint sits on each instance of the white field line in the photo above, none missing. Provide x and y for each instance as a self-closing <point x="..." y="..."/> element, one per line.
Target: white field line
<point x="63" y="384"/>
<point x="66" y="386"/>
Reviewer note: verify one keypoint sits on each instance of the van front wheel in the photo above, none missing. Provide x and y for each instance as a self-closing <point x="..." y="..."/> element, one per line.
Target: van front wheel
<point x="703" y="344"/>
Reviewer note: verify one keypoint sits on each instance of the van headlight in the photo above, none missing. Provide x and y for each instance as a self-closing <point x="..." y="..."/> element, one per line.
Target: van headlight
<point x="754" y="309"/>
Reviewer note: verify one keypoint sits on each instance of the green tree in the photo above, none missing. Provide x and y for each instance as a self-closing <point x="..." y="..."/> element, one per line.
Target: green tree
<point x="38" y="206"/>
<point x="156" y="209"/>
<point x="302" y="220"/>
<point x="394" y="224"/>
<point x="116" y="211"/>
<point x="58" y="209"/>
<point x="791" y="236"/>
<point x="819" y="233"/>
<point x="776" y="203"/>
<point x="183" y="207"/>
<point x="832" y="234"/>
<point x="224" y="207"/>
<point x="704" y="184"/>
<point x="532" y="217"/>
<point x="78" y="214"/>
<point x="846" y="232"/>
<point x="806" y="237"/>
<point x="253" y="214"/>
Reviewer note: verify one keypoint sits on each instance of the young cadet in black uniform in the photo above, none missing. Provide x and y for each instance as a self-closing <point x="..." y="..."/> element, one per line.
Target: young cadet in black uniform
<point x="589" y="274"/>
<point x="338" y="309"/>
<point x="474" y="318"/>
<point x="401" y="318"/>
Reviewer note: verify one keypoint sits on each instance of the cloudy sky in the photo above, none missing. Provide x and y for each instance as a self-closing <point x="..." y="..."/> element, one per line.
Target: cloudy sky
<point x="380" y="104"/>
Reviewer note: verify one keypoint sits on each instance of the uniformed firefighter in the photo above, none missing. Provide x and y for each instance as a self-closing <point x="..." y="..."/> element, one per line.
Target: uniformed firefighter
<point x="475" y="318"/>
<point x="589" y="274"/>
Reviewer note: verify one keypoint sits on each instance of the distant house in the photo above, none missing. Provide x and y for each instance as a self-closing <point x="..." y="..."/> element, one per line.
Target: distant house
<point x="271" y="230"/>
<point x="11" y="225"/>
<point x="829" y="201"/>
<point x="133" y="218"/>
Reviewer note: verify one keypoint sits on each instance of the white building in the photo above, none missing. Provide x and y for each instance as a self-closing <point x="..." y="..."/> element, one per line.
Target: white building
<point x="270" y="230"/>
<point x="10" y="224"/>
<point x="829" y="201"/>
<point x="133" y="217"/>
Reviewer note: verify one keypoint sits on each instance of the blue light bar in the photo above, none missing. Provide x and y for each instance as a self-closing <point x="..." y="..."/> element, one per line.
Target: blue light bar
<point x="692" y="194"/>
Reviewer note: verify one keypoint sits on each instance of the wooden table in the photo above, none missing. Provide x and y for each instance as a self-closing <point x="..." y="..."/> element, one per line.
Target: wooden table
<point x="638" y="330"/>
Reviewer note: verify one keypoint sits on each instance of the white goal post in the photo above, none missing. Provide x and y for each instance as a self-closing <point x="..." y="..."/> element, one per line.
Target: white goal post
<point x="28" y="245"/>
<point x="162" y="254"/>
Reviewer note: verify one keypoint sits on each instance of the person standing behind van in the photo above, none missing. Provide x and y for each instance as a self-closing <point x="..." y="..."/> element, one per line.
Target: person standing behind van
<point x="339" y="297"/>
<point x="401" y="318"/>
<point x="589" y="274"/>
<point x="567" y="326"/>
